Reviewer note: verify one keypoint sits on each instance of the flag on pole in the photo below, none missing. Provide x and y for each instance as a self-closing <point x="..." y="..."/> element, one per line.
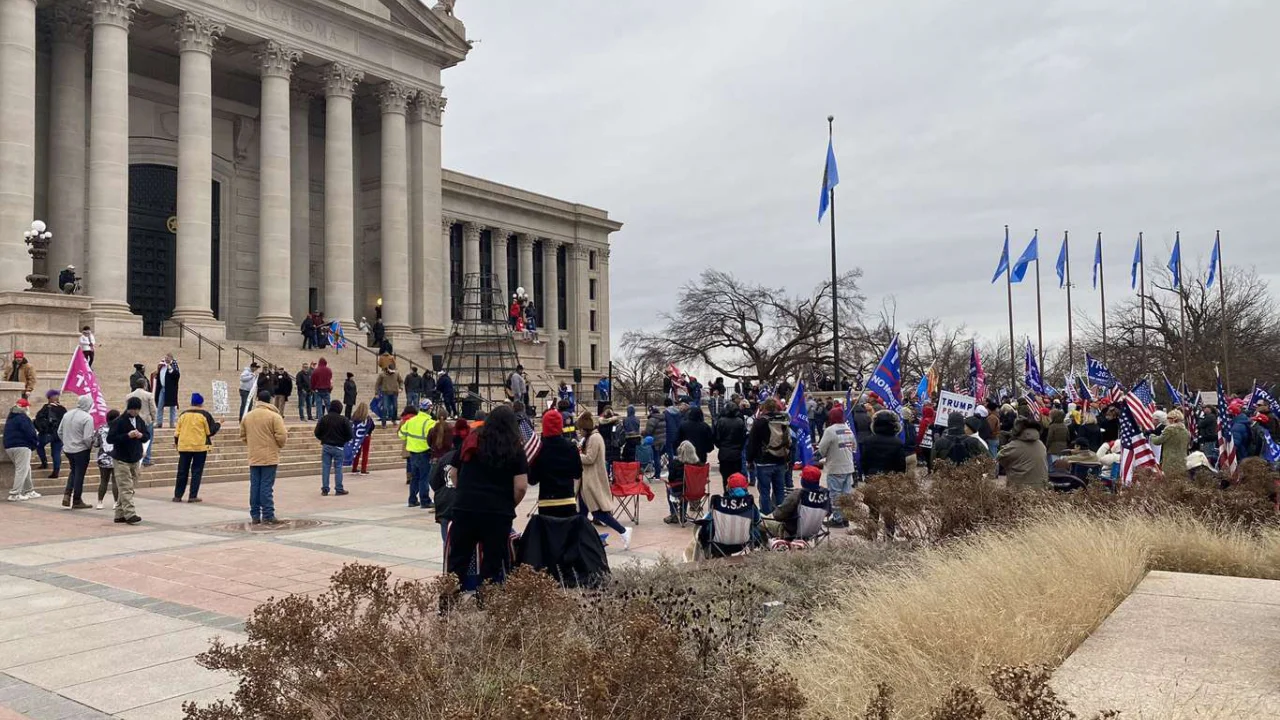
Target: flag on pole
<point x="799" y="414"/>
<point x="1098" y="373"/>
<point x="1032" y="375"/>
<point x="1142" y="389"/>
<point x="1028" y="256"/>
<point x="1083" y="390"/>
<point x="830" y="179"/>
<point x="1135" y="449"/>
<point x="1140" y="411"/>
<point x="886" y="381"/>
<point x="1175" y="263"/>
<point x="532" y="438"/>
<point x="932" y="376"/>
<point x="1097" y="261"/>
<point x="922" y="389"/>
<point x="81" y="380"/>
<point x="1003" y="266"/>
<point x="1062" y="264"/>
<point x="1271" y="452"/>
<point x="1137" y="260"/>
<point x="1226" y="446"/>
<point x="1175" y="397"/>
<point x="848" y="406"/>
<point x="977" y="377"/>
<point x="1213" y="264"/>
<point x="337" y="338"/>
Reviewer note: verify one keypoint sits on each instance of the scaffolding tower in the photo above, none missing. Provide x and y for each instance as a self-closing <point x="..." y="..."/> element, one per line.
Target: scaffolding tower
<point x="481" y="352"/>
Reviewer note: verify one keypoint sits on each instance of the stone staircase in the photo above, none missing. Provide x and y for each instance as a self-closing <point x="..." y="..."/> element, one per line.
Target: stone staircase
<point x="228" y="460"/>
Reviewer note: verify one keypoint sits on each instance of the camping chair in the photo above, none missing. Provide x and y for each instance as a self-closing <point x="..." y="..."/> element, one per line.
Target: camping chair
<point x="627" y="488"/>
<point x="645" y="458"/>
<point x="694" y="492"/>
<point x="810" y="522"/>
<point x="729" y="529"/>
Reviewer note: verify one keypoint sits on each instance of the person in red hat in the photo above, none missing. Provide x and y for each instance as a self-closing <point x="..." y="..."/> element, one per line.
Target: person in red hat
<point x="732" y="521"/>
<point x="786" y="517"/>
<point x="20" y="438"/>
<point x="556" y="470"/>
<point x="21" y="370"/>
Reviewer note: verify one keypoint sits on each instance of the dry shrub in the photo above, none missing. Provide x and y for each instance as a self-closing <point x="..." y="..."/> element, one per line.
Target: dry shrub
<point x="895" y="501"/>
<point x="370" y="649"/>
<point x="963" y="499"/>
<point x="1023" y="693"/>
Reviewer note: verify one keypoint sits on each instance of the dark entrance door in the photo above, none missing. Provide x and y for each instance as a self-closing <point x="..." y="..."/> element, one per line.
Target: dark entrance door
<point x="153" y="209"/>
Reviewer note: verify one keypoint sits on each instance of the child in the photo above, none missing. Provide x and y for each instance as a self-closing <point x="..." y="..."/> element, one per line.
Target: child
<point x="106" y="465"/>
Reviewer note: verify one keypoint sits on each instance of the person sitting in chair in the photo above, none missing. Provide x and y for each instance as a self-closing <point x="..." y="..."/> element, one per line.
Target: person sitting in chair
<point x="731" y="524"/>
<point x="802" y="511"/>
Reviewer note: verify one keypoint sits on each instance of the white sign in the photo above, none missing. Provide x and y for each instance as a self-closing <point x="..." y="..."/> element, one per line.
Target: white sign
<point x="221" y="402"/>
<point x="949" y="402"/>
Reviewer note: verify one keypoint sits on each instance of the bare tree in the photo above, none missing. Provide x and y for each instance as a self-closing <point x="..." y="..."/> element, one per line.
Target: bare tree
<point x="637" y="378"/>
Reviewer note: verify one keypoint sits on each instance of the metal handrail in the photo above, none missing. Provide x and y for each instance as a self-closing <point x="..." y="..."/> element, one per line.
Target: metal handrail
<point x="200" y="342"/>
<point x="253" y="356"/>
<point x="410" y="362"/>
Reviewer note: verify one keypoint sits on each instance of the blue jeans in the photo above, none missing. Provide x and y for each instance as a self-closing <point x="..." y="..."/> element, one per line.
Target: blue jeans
<point x="305" y="406"/>
<point x="331" y="456"/>
<point x="419" y="472"/>
<point x="388" y="407"/>
<point x="411" y="400"/>
<point x="146" y="460"/>
<point x="56" y="449"/>
<point x="772" y="485"/>
<point x="262" y="485"/>
<point x="321" y="398"/>
<point x="173" y="416"/>
<point x="993" y="446"/>
<point x="838" y="485"/>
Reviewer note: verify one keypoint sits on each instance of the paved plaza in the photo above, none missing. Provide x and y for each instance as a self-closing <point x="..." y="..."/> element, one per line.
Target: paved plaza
<point x="102" y="620"/>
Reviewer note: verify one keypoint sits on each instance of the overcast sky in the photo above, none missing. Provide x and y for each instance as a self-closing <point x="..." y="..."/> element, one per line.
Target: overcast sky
<point x="701" y="125"/>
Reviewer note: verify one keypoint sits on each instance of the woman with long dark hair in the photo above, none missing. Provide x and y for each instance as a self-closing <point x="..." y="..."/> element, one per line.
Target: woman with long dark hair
<point x="491" y="476"/>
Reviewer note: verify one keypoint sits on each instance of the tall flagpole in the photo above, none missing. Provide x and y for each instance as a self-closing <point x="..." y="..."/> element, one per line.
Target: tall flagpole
<point x="1182" y="306"/>
<point x="1008" y="286"/>
<point x="1222" y="293"/>
<point x="1039" y="319"/>
<point x="1142" y="296"/>
<point x="1071" y="356"/>
<point x="835" y="303"/>
<point x="1102" y="287"/>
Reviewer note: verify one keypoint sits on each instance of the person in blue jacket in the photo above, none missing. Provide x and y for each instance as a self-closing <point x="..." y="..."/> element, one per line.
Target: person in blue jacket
<point x="20" y="439"/>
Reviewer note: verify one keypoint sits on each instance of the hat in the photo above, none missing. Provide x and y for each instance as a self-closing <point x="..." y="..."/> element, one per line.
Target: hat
<point x="980" y="411"/>
<point x="138" y="366"/>
<point x="424" y="404"/>
<point x="52" y="393"/>
<point x="197" y="399"/>
<point x="254" y="364"/>
<point x="974" y="423"/>
<point x="1198" y="459"/>
<point x="1236" y="406"/>
<point x="738" y="480"/>
<point x="22" y="402"/>
<point x="133" y="403"/>
<point x="872" y="397"/>
<point x="811" y="475"/>
<point x="18" y="355"/>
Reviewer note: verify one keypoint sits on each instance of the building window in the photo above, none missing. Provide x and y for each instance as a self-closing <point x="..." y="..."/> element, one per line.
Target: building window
<point x="591" y="260"/>
<point x="593" y="321"/>
<point x="486" y="277"/>
<point x="560" y="360"/>
<point x="536" y="290"/>
<point x="594" y="363"/>
<point x="455" y="271"/>
<point x="513" y="268"/>
<point x="591" y="289"/>
<point x="562" y="289"/>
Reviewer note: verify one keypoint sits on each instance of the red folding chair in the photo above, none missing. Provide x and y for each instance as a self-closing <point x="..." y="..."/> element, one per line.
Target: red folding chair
<point x="627" y="489"/>
<point x="694" y="493"/>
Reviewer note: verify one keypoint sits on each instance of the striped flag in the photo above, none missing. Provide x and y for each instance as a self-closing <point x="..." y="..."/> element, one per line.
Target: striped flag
<point x="1141" y="411"/>
<point x="1115" y="395"/>
<point x="1142" y="389"/>
<point x="532" y="438"/>
<point x="1135" y="450"/>
<point x="1226" y="445"/>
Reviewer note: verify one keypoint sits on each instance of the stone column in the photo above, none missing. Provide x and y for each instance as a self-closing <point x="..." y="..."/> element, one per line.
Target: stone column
<point x="446" y="287"/>
<point x="470" y="265"/>
<point x="17" y="138"/>
<point x="394" y="99"/>
<point x="299" y="203"/>
<point x="196" y="35"/>
<point x="275" y="198"/>
<point x="602" y="307"/>
<point x="551" y="303"/>
<point x="431" y="267"/>
<point x="67" y="140"/>
<point x="579" y="321"/>
<point x="525" y="268"/>
<point x="109" y="167"/>
<point x="498" y="249"/>
<point x="339" y="195"/>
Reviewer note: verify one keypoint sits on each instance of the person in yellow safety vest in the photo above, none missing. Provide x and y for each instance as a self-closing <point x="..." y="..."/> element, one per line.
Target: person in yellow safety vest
<point x="414" y="432"/>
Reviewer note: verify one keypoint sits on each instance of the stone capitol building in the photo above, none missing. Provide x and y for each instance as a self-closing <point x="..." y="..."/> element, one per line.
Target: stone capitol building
<point x="231" y="165"/>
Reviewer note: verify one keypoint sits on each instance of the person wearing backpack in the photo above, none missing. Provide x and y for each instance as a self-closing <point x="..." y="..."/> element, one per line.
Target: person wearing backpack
<point x="769" y="452"/>
<point x="961" y="441"/>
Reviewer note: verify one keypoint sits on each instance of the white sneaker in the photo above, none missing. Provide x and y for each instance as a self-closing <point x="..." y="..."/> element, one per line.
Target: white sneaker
<point x="32" y="495"/>
<point x="98" y="506"/>
<point x="14" y="497"/>
<point x="626" y="539"/>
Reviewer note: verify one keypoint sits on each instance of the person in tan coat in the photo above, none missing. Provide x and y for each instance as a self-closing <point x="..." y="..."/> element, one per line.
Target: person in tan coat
<point x="263" y="430"/>
<point x="1173" y="442"/>
<point x="596" y="495"/>
<point x="1024" y="457"/>
<point x="21" y="370"/>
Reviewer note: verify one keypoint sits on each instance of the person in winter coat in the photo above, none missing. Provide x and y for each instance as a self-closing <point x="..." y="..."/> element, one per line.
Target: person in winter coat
<point x="1110" y="425"/>
<point x="413" y="387"/>
<point x="21" y="370"/>
<point x="47" y="421"/>
<point x="730" y="438"/>
<point x="334" y="432"/>
<point x="1089" y="431"/>
<point x="302" y="382"/>
<point x="20" y="438"/>
<point x="837" y="448"/>
<point x="148" y="415"/>
<point x="76" y="432"/>
<point x="696" y="430"/>
<point x="282" y="390"/>
<point x="262" y="430"/>
<point x="769" y="450"/>
<point x="671" y="414"/>
<point x="1207" y="432"/>
<point x="1024" y="457"/>
<point x="882" y="452"/>
<point x="656" y="428"/>
<point x="444" y="385"/>
<point x="193" y="435"/>
<point x="349" y="394"/>
<point x="1057" y="437"/>
<point x="596" y="496"/>
<point x="139" y="377"/>
<point x="1174" y="442"/>
<point x="631" y="435"/>
<point x="556" y="470"/>
<point x="127" y="436"/>
<point x="388" y="387"/>
<point x="1240" y="431"/>
<point x="321" y="387"/>
<point x="167" y="388"/>
<point x="248" y="381"/>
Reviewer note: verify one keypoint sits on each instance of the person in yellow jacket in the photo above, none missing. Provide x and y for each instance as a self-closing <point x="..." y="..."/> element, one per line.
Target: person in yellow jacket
<point x="414" y="433"/>
<point x="194" y="436"/>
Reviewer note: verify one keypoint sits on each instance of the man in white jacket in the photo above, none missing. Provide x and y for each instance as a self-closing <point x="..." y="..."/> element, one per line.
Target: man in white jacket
<point x="836" y="447"/>
<point x="248" y="386"/>
<point x="76" y="432"/>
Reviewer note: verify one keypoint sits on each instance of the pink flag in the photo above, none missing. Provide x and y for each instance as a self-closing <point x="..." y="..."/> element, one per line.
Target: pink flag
<point x="81" y="381"/>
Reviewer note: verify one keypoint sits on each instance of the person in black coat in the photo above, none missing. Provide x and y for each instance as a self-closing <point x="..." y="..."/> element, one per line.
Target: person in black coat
<point x="882" y="451"/>
<point x="556" y="470"/>
<point x="349" y="391"/>
<point x="697" y="431"/>
<point x="730" y="437"/>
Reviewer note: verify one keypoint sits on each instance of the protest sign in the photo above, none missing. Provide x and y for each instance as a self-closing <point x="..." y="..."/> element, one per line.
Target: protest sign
<point x="949" y="402"/>
<point x="221" y="401"/>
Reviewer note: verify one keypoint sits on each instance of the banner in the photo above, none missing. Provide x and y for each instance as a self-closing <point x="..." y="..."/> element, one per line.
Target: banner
<point x="221" y="400"/>
<point x="949" y="402"/>
<point x="80" y="380"/>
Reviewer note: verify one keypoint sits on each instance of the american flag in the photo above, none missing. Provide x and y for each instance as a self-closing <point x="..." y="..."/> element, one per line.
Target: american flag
<point x="1142" y="389"/>
<point x="1226" y="445"/>
<point x="1034" y="403"/>
<point x="1115" y="395"/>
<point x="532" y="439"/>
<point x="1140" y="409"/>
<point x="1135" y="449"/>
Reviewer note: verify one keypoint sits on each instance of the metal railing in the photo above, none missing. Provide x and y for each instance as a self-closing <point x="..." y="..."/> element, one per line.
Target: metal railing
<point x="201" y="341"/>
<point x="403" y="363"/>
<point x="253" y="357"/>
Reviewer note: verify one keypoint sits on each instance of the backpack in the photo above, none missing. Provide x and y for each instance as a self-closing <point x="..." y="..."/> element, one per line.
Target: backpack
<point x="779" y="442"/>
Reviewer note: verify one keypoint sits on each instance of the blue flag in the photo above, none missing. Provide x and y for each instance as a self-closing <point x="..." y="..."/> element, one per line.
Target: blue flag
<point x="830" y="179"/>
<point x="1032" y="376"/>
<point x="848" y="406"/>
<point x="1213" y="263"/>
<point x="922" y="389"/>
<point x="1137" y="260"/>
<point x="799" y="414"/>
<point x="1097" y="260"/>
<point x="886" y="381"/>
<point x="1031" y="254"/>
<point x="1174" y="395"/>
<point x="1271" y="453"/>
<point x="1175" y="261"/>
<point x="1062" y="264"/>
<point x="1082" y="390"/>
<point x="1098" y="373"/>
<point x="1003" y="266"/>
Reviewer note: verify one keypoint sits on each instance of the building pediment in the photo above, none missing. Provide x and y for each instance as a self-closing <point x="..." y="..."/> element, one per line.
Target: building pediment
<point x="417" y="17"/>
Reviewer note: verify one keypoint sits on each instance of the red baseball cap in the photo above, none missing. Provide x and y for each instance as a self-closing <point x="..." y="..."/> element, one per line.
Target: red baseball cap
<point x="811" y="474"/>
<point x="738" y="480"/>
<point x="22" y="402"/>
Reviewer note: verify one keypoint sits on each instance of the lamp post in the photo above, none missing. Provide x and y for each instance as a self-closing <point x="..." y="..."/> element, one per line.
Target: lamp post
<point x="38" y="238"/>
